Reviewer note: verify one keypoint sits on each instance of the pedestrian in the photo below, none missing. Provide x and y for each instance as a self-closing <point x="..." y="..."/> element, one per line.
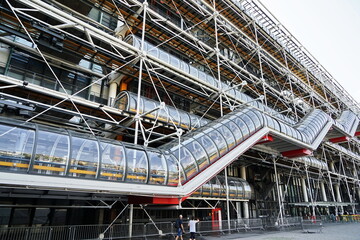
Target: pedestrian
<point x="180" y="228"/>
<point x="192" y="225"/>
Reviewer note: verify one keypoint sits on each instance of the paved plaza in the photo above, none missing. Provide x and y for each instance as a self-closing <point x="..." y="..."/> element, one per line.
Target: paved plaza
<point x="348" y="231"/>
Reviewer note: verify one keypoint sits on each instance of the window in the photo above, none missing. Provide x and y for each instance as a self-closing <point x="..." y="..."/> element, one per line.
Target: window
<point x="16" y="145"/>
<point x="113" y="162"/>
<point x="52" y="151"/>
<point x="84" y="157"/>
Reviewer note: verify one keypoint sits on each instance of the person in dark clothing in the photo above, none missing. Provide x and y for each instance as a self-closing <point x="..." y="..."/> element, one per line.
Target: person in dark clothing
<point x="180" y="228"/>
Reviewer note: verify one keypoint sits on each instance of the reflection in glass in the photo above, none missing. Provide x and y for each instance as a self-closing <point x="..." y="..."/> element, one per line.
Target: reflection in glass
<point x="229" y="137"/>
<point x="16" y="145"/>
<point x="198" y="152"/>
<point x="112" y="162"/>
<point x="235" y="130"/>
<point x="52" y="150"/>
<point x="187" y="161"/>
<point x="84" y="157"/>
<point x="137" y="165"/>
<point x="218" y="140"/>
<point x="158" y="168"/>
<point x="244" y="129"/>
<point x="173" y="170"/>
<point x="209" y="147"/>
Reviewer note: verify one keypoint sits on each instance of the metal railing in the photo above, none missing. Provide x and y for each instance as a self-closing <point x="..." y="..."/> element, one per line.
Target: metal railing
<point x="121" y="231"/>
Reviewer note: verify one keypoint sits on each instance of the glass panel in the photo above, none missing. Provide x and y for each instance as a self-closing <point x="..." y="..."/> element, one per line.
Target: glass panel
<point x="132" y="104"/>
<point x="16" y="146"/>
<point x="149" y="105"/>
<point x="204" y="122"/>
<point x="193" y="71"/>
<point x="163" y="114"/>
<point x="276" y="125"/>
<point x="209" y="147"/>
<point x="152" y="51"/>
<point x="52" y="151"/>
<point x="210" y="79"/>
<point x="174" y="116"/>
<point x="249" y="123"/>
<point x="197" y="192"/>
<point x="244" y="129"/>
<point x="195" y="121"/>
<point x="141" y="109"/>
<point x="185" y="119"/>
<point x="137" y="165"/>
<point x="202" y="76"/>
<point x="175" y="62"/>
<point x="184" y="66"/>
<point x="255" y="118"/>
<point x="158" y="168"/>
<point x="270" y="122"/>
<point x="247" y="190"/>
<point x="232" y="189"/>
<point x="216" y="188"/>
<point x="240" y="190"/>
<point x="223" y="189"/>
<point x="187" y="161"/>
<point x="84" y="158"/>
<point x="206" y="190"/>
<point x="199" y="153"/>
<point x="113" y="162"/>
<point x="164" y="56"/>
<point x="122" y="102"/>
<point x="218" y="140"/>
<point x="235" y="130"/>
<point x="229" y="137"/>
<point x="173" y="170"/>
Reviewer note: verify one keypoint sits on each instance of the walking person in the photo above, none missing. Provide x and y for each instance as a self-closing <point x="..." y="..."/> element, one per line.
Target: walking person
<point x="192" y="225"/>
<point x="180" y="228"/>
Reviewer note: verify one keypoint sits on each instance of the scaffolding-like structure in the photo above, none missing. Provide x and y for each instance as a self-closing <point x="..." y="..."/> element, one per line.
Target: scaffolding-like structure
<point x="152" y="75"/>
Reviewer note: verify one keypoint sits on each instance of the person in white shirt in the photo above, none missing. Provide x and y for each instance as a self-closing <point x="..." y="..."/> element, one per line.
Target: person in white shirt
<point x="192" y="225"/>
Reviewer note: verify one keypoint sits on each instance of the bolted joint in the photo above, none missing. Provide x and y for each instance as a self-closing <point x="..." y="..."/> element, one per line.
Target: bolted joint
<point x="179" y="132"/>
<point x="137" y="118"/>
<point x="142" y="54"/>
<point x="162" y="105"/>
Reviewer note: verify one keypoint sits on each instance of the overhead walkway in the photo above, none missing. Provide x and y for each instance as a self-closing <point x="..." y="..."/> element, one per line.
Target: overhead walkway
<point x="42" y="157"/>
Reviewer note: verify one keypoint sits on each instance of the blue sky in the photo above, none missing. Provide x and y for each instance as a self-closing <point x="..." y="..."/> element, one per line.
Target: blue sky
<point x="330" y="31"/>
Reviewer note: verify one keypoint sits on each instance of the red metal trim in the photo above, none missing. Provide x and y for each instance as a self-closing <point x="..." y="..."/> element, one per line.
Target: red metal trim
<point x="339" y="139"/>
<point x="297" y="153"/>
<point x="265" y="139"/>
<point x="153" y="200"/>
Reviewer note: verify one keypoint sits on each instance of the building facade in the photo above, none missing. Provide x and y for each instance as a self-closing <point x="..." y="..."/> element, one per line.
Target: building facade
<point x="210" y="106"/>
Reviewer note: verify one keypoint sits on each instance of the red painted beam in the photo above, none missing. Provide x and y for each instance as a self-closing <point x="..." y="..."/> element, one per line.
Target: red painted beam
<point x="339" y="139"/>
<point x="297" y="153"/>
<point x="154" y="200"/>
<point x="357" y="134"/>
<point x="265" y="139"/>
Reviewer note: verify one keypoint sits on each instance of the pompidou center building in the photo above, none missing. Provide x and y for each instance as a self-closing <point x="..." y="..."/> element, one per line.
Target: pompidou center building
<point x="125" y="110"/>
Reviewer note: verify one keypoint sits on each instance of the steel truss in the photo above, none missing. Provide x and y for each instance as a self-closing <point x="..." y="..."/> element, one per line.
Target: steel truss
<point x="240" y="43"/>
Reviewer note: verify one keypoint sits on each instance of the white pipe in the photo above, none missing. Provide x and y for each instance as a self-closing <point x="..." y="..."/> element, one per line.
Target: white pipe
<point x="112" y="93"/>
<point x="246" y="209"/>
<point x="304" y="190"/>
<point x="324" y="197"/>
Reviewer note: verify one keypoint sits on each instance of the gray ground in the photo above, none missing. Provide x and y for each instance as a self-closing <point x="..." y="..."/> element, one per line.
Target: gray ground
<point x="348" y="231"/>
